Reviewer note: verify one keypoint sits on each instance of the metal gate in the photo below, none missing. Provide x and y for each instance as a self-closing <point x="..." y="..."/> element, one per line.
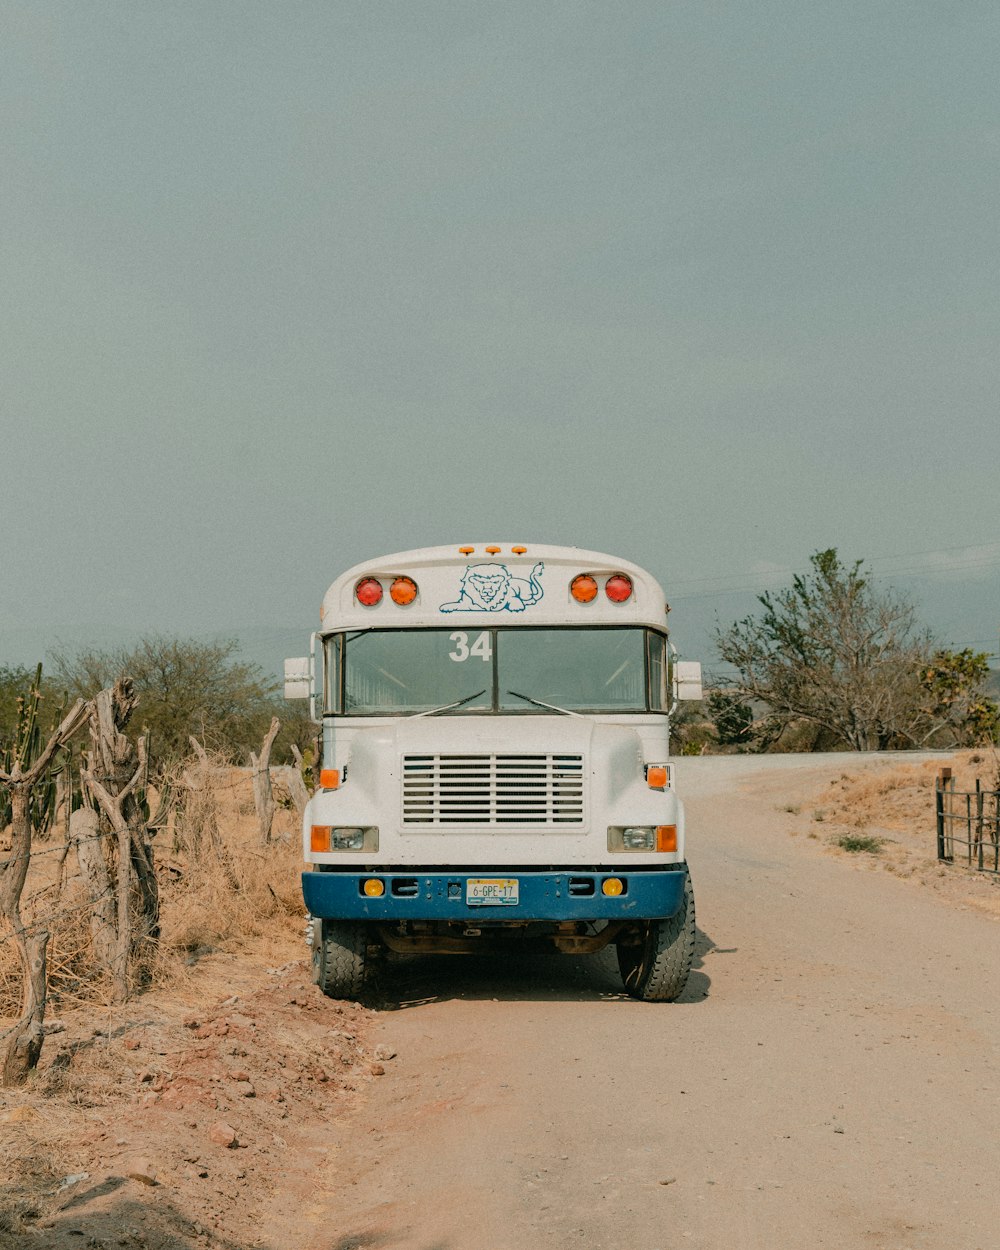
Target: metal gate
<point x="968" y="824"/>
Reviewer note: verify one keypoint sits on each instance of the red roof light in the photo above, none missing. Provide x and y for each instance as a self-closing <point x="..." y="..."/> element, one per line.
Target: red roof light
<point x="618" y="588"/>
<point x="368" y="592"/>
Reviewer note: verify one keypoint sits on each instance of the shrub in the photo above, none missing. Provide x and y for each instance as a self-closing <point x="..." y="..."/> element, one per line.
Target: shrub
<point x="186" y="688"/>
<point x="856" y="843"/>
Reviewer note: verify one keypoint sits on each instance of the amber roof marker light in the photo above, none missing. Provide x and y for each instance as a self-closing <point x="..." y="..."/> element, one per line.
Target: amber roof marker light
<point x="518" y="551"/>
<point x="466" y="551"/>
<point x="492" y="551"/>
<point x="583" y="588"/>
<point x="403" y="591"/>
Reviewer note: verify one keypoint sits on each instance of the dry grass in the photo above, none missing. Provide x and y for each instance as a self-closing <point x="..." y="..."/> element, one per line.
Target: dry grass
<point x="218" y="894"/>
<point x="900" y="798"/>
<point x="230" y="1032"/>
<point x="882" y="815"/>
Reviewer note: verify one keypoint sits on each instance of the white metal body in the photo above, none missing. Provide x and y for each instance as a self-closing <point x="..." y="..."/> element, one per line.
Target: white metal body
<point x="469" y="591"/>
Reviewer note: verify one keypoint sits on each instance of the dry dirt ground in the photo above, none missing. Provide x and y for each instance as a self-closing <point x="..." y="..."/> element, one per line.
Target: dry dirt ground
<point x="829" y="1079"/>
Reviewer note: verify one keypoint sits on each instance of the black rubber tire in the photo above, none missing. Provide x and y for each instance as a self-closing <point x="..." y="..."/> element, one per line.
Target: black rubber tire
<point x="340" y="958"/>
<point x="656" y="970"/>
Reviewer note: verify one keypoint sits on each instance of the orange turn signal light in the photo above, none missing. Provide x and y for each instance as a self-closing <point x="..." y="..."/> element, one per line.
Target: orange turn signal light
<point x="403" y="591"/>
<point x="656" y="776"/>
<point x="374" y="888"/>
<point x="329" y="778"/>
<point x="583" y="588"/>
<point x="612" y="887"/>
<point x="666" y="837"/>
<point x="319" y="837"/>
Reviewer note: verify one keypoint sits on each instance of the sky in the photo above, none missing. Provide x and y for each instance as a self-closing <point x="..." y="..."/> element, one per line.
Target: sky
<point x="707" y="285"/>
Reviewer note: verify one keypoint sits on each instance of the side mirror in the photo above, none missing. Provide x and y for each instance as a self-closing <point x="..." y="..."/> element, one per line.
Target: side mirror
<point x="298" y="678"/>
<point x="687" y="679"/>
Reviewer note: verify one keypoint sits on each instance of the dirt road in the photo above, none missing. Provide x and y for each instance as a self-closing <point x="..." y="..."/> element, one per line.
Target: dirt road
<point x="829" y="1079"/>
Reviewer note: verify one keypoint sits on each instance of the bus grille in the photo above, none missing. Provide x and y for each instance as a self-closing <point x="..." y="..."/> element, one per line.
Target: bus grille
<point x="492" y="789"/>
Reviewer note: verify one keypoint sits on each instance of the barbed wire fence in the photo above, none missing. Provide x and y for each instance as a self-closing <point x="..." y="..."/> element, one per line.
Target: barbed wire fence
<point x="229" y="784"/>
<point x="110" y="828"/>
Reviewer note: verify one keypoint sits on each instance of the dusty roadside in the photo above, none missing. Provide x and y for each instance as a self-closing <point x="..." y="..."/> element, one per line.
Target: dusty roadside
<point x="877" y="813"/>
<point x="183" y="1119"/>
<point x="831" y="1077"/>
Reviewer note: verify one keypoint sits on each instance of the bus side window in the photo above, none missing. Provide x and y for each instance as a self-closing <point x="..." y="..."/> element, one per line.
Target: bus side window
<point x="656" y="650"/>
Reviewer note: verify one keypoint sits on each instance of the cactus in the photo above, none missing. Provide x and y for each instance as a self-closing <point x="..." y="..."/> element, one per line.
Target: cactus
<point x="22" y="748"/>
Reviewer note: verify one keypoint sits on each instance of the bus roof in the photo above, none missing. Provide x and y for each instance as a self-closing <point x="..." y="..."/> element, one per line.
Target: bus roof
<point x="491" y="584"/>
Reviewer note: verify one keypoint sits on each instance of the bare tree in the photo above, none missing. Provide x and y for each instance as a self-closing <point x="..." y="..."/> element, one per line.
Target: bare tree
<point x="27" y="768"/>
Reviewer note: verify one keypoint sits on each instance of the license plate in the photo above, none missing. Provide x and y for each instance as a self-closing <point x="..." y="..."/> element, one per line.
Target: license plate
<point x="491" y="891"/>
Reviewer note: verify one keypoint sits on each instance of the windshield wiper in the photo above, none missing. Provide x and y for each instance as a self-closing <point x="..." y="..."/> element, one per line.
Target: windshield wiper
<point x="551" y="706"/>
<point x="447" y="706"/>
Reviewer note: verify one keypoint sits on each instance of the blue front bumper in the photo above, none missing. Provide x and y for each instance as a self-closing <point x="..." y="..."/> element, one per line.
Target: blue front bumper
<point x="651" y="893"/>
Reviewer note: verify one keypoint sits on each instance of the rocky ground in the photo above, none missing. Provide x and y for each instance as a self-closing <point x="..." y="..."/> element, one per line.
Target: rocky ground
<point x="177" y="1121"/>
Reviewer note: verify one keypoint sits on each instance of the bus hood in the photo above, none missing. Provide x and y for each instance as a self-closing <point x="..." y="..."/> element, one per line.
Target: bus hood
<point x="518" y="789"/>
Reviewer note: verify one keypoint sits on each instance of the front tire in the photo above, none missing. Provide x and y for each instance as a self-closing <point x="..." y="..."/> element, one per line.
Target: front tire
<point x="340" y="962"/>
<point x="656" y="968"/>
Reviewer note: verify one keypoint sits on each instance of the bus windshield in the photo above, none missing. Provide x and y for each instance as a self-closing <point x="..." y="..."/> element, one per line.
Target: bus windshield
<point x="508" y="671"/>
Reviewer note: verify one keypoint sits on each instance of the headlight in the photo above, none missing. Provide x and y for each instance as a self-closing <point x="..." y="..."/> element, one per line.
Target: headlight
<point x="343" y="838"/>
<point x="632" y="838"/>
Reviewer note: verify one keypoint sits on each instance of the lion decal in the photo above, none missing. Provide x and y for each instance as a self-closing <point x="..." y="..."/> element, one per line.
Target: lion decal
<point x="490" y="588"/>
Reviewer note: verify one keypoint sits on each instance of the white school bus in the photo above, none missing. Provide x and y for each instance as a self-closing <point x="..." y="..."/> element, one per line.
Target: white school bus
<point x="495" y="766"/>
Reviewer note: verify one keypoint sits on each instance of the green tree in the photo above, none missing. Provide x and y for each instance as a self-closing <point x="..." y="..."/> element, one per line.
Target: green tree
<point x="954" y="684"/>
<point x="185" y="687"/>
<point x="833" y="650"/>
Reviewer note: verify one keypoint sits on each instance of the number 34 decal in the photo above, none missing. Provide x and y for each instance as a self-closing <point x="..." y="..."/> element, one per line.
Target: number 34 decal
<point x="482" y="646"/>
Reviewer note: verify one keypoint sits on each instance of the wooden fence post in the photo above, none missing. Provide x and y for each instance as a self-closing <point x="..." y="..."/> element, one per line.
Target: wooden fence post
<point x="979" y="820"/>
<point x="263" y="796"/>
<point x="115" y="777"/>
<point x="27" y="1035"/>
<point x="939" y="789"/>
